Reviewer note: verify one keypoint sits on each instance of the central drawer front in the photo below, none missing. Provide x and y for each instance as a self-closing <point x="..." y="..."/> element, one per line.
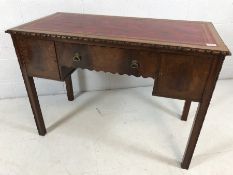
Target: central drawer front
<point x="108" y="59"/>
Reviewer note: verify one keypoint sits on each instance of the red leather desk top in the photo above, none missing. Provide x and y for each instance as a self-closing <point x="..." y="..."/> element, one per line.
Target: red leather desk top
<point x="147" y="30"/>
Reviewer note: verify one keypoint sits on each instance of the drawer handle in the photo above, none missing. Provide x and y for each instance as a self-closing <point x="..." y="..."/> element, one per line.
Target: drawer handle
<point x="77" y="57"/>
<point x="134" y="64"/>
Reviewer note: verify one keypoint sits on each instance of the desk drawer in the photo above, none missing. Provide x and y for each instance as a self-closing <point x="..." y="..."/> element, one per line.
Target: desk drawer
<point x="107" y="59"/>
<point x="182" y="76"/>
<point x="39" y="57"/>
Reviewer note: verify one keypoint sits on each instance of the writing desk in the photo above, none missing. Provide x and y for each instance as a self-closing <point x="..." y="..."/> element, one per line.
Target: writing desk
<point x="184" y="58"/>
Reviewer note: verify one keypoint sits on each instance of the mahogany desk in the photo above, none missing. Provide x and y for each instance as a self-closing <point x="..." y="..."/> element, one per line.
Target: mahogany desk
<point x="184" y="58"/>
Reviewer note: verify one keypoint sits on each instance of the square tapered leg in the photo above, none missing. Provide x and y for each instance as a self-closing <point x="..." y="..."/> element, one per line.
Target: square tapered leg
<point x="186" y="108"/>
<point x="69" y="88"/>
<point x="35" y="105"/>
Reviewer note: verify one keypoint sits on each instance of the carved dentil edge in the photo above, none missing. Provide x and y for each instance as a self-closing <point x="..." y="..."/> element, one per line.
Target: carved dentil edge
<point x="159" y="46"/>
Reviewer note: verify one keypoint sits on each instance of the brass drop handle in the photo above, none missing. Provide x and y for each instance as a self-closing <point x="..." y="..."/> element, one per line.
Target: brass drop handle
<point x="77" y="57"/>
<point x="134" y="64"/>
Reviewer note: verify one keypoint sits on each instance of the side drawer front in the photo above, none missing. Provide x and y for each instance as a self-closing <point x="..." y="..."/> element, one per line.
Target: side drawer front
<point x="108" y="59"/>
<point x="39" y="57"/>
<point x="182" y="76"/>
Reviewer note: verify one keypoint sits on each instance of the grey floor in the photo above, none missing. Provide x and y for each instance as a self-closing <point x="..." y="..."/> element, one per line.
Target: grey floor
<point x="118" y="132"/>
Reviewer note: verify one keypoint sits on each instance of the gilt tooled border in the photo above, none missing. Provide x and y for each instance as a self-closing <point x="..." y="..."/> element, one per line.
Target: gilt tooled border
<point x="176" y="48"/>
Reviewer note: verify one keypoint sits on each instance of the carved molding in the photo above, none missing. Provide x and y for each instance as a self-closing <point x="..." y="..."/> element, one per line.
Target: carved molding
<point x="119" y="73"/>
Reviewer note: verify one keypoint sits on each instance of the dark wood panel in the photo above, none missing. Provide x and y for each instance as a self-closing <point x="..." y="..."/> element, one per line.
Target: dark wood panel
<point x="114" y="60"/>
<point x="182" y="76"/>
<point x="39" y="56"/>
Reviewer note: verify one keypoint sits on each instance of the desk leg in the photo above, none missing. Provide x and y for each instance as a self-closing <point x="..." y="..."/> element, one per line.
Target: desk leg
<point x="186" y="110"/>
<point x="69" y="88"/>
<point x="30" y="87"/>
<point x="196" y="129"/>
<point x="201" y="112"/>
<point x="35" y="105"/>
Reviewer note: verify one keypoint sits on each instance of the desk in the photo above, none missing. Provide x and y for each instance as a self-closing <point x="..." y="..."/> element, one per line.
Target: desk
<point x="184" y="58"/>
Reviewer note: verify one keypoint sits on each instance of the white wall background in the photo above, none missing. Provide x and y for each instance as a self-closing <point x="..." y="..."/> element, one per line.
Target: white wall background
<point x="15" y="12"/>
